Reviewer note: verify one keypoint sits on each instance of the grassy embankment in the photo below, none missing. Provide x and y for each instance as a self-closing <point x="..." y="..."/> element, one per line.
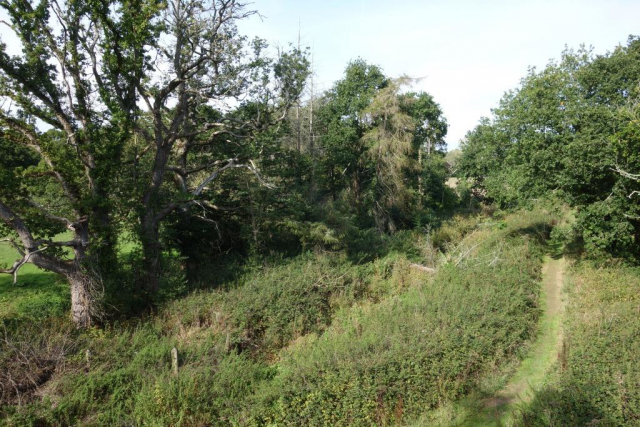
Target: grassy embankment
<point x="498" y="399"/>
<point x="582" y="370"/>
<point x="313" y="340"/>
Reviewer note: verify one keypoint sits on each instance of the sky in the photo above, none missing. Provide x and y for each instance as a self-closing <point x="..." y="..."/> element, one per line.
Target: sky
<point x="467" y="53"/>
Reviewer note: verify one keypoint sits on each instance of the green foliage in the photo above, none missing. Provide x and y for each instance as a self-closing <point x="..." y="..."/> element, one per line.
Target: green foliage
<point x="569" y="131"/>
<point x="269" y="309"/>
<point x="308" y="339"/>
<point x="225" y="338"/>
<point x="342" y="127"/>
<point x="451" y="232"/>
<point x="381" y="363"/>
<point x="373" y="139"/>
<point x="104" y="166"/>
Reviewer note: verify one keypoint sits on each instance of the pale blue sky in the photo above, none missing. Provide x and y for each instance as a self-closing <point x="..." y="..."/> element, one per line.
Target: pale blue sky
<point x="467" y="52"/>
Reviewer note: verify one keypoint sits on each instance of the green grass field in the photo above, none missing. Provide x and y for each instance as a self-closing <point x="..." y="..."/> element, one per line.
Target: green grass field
<point x="37" y="293"/>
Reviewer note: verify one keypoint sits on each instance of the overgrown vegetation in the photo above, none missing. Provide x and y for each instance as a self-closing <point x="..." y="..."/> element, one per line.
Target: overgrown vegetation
<point x="570" y="130"/>
<point x="570" y="133"/>
<point x="314" y="258"/>
<point x="382" y="363"/>
<point x="285" y="342"/>
<point x="210" y="162"/>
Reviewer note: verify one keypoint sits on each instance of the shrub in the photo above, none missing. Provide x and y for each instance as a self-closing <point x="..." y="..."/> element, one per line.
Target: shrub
<point x="380" y="363"/>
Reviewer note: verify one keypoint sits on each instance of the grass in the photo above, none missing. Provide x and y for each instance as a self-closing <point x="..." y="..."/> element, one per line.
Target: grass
<point x="597" y="378"/>
<point x="499" y="399"/>
<point x="227" y="340"/>
<point x="318" y="339"/>
<point x="384" y="363"/>
<point x="37" y="293"/>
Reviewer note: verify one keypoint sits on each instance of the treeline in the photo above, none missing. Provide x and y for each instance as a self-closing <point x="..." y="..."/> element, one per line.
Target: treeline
<point x="145" y="141"/>
<point x="571" y="130"/>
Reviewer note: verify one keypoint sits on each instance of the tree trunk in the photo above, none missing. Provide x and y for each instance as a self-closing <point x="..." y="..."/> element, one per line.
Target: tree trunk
<point x="83" y="285"/>
<point x="420" y="172"/>
<point x="82" y="298"/>
<point x="150" y="238"/>
<point x="151" y="253"/>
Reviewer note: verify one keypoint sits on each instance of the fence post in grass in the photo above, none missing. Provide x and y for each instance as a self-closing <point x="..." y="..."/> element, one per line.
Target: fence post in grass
<point x="174" y="360"/>
<point x="87" y="357"/>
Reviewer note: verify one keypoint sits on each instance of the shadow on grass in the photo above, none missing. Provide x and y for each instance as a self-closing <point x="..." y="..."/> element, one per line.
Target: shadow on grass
<point x="567" y="407"/>
<point x="548" y="407"/>
<point x="540" y="231"/>
<point x="555" y="246"/>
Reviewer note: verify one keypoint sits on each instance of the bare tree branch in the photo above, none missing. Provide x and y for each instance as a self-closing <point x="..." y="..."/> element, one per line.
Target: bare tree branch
<point x="634" y="177"/>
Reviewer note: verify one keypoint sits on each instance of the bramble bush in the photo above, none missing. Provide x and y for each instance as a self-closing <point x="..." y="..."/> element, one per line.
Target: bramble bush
<point x="382" y="363"/>
<point x="314" y="339"/>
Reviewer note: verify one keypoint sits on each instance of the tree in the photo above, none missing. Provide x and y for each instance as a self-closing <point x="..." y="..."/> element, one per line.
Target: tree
<point x="404" y="139"/>
<point x="388" y="140"/>
<point x="104" y="91"/>
<point x="341" y="126"/>
<point x="373" y="138"/>
<point x="76" y="75"/>
<point x="568" y="130"/>
<point x="208" y="64"/>
<point x="428" y="147"/>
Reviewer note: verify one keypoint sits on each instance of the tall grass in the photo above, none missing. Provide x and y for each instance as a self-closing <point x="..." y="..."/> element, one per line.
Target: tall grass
<point x="381" y="363"/>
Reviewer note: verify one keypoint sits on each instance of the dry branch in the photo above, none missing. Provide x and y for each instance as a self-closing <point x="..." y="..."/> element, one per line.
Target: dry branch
<point x="422" y="268"/>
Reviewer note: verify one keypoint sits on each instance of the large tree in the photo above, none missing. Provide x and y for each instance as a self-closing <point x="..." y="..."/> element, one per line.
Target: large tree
<point x="342" y="126"/>
<point x="379" y="146"/>
<point x="142" y="88"/>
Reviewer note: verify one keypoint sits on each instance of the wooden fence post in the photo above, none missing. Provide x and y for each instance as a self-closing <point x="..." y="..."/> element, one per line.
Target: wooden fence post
<point x="174" y="360"/>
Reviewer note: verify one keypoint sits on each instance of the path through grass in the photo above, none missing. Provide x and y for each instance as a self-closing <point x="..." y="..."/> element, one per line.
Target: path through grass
<point x="497" y="410"/>
<point x="489" y="407"/>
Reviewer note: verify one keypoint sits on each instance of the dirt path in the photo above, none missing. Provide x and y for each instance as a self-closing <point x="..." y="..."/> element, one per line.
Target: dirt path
<point x="543" y="353"/>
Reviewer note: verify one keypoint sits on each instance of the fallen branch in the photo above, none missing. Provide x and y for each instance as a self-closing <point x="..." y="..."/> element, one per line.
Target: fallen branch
<point x="422" y="268"/>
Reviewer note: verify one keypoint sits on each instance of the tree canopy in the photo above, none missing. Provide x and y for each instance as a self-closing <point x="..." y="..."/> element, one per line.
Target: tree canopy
<point x="569" y="130"/>
<point x="130" y="111"/>
<point x="158" y="125"/>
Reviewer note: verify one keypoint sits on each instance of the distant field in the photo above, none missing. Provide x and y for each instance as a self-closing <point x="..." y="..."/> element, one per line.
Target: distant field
<point x="37" y="293"/>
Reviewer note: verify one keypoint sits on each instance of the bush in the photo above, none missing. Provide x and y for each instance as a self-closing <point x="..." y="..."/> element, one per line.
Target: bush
<point x="381" y="363"/>
<point x="226" y="340"/>
<point x="307" y="340"/>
